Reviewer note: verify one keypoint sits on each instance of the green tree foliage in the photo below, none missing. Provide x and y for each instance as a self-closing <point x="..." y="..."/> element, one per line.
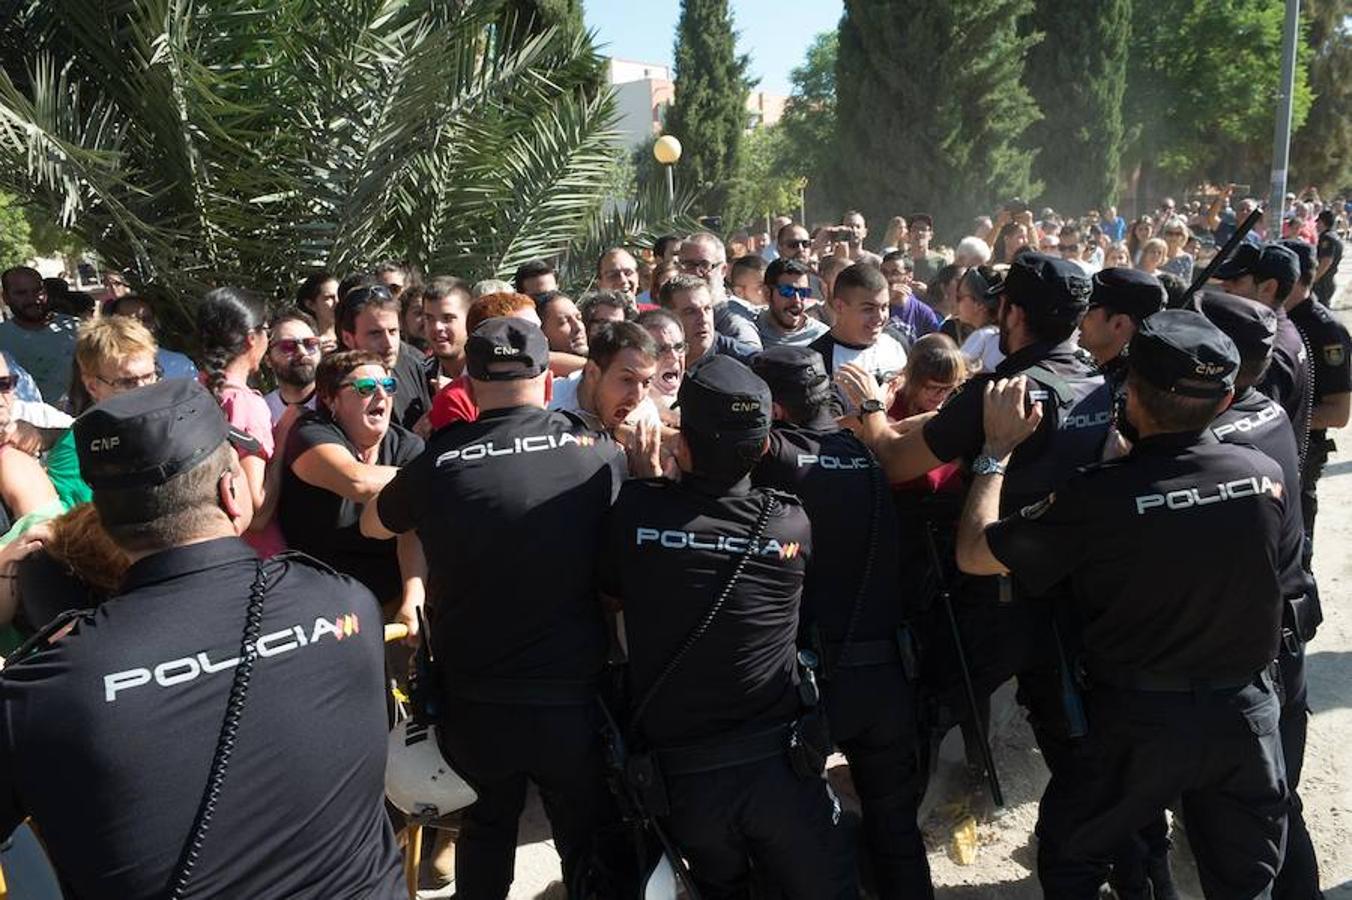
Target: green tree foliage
<point x="1077" y="75"/>
<point x="16" y="246"/>
<point x="931" y="107"/>
<point x="1319" y="151"/>
<point x="807" y="150"/>
<point x="210" y="143"/>
<point x="709" y="113"/>
<point x="760" y="188"/>
<point x="1202" y="83"/>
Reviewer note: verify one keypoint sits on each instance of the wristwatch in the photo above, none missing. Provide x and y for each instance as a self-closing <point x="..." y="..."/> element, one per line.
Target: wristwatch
<point x="871" y="405"/>
<point x="987" y="465"/>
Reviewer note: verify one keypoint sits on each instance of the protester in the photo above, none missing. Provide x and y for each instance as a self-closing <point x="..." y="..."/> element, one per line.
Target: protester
<point x="785" y="320"/>
<point x="972" y="251"/>
<point x="293" y="356"/>
<point x="453" y="403"/>
<point x="232" y="331"/>
<point x="562" y="323"/>
<point x="1142" y="230"/>
<point x="1177" y="259"/>
<point x="612" y="388"/>
<point x="909" y="315"/>
<point x="172" y="364"/>
<point x="42" y="341"/>
<point x="617" y="271"/>
<point x="1154" y="253"/>
<point x="113" y="355"/>
<point x="368" y="319"/>
<point x="669" y="338"/>
<point x="858" y="335"/>
<point x="336" y="460"/>
<point x="25" y="491"/>
<point x="926" y="263"/>
<point x="978" y="310"/>
<point x="689" y="298"/>
<point x="746" y="284"/>
<point x="318" y="296"/>
<point x="605" y="306"/>
<point x="535" y="276"/>
<point x="703" y="255"/>
<point x="1010" y="241"/>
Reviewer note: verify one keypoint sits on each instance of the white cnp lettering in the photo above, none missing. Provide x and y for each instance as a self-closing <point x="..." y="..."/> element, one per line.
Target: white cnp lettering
<point x="745" y="406"/>
<point x="505" y="351"/>
<point x="1189" y="497"/>
<point x="104" y="443"/>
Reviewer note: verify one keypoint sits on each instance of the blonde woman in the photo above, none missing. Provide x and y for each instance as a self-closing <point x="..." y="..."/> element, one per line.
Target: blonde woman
<point x="1154" y="253"/>
<point x="1176" y="236"/>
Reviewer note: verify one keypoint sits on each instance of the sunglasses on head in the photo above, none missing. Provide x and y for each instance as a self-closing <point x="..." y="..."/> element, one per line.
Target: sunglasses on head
<point x="290" y="346"/>
<point x="788" y="291"/>
<point x="366" y="387"/>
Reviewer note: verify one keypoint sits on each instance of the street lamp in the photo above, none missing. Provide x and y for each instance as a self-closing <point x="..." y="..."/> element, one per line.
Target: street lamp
<point x="667" y="151"/>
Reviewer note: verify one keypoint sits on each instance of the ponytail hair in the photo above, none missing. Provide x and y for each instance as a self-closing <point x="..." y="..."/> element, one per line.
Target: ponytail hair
<point x="225" y="319"/>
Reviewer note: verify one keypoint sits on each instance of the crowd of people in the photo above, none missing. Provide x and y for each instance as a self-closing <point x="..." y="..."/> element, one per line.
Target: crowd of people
<point x="739" y="505"/>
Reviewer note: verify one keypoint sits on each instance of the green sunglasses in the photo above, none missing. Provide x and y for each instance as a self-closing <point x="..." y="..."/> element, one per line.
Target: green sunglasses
<point x="366" y="387"/>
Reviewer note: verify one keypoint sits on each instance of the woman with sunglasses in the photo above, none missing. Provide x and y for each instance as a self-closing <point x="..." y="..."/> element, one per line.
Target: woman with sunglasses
<point x="337" y="458"/>
<point x="232" y="332"/>
<point x="1176" y="237"/>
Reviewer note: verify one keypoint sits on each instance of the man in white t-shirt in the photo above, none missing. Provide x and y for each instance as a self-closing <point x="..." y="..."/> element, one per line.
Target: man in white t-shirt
<point x="612" y="388"/>
<point x="859" y="334"/>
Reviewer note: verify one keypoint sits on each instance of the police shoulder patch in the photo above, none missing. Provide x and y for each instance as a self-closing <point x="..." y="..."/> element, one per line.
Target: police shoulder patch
<point x="1334" y="354"/>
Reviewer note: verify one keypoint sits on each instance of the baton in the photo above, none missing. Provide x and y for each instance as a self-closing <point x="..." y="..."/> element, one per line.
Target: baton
<point x="1199" y="281"/>
<point x="946" y="599"/>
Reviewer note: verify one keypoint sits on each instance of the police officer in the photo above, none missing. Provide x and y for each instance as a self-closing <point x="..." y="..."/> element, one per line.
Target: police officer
<point x="1260" y="422"/>
<point x="1041" y="301"/>
<point x="1330" y="348"/>
<point x="188" y="682"/>
<point x="1178" y="651"/>
<point x="1120" y="300"/>
<point x="852" y="608"/>
<point x="710" y="571"/>
<point x="1267" y="275"/>
<point x="509" y="511"/>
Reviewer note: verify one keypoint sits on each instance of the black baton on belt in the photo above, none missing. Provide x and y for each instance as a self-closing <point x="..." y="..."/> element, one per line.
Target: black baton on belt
<point x="978" y="725"/>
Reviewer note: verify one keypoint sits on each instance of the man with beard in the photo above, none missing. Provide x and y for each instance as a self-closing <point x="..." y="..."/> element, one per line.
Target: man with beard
<point x="666" y="331"/>
<point x="42" y="341"/>
<point x="612" y="388"/>
<point x="293" y="356"/>
<point x="445" y="305"/>
<point x="785" y="319"/>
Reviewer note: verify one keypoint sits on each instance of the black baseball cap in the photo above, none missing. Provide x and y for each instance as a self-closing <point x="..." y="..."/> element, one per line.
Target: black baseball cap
<point x="1046" y="286"/>
<point x="794" y="372"/>
<point x="1270" y="261"/>
<point x="1251" y="325"/>
<point x="506" y="339"/>
<point x="720" y="397"/>
<point x="1304" y="255"/>
<point x="1130" y="291"/>
<point x="144" y="437"/>
<point x="1180" y="351"/>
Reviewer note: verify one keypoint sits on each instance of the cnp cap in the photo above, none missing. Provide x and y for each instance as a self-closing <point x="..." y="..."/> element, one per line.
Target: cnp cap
<point x="1046" y="286"/>
<point x="794" y="372"/>
<point x="1272" y="261"/>
<point x="721" y="397"/>
<point x="1128" y="291"/>
<point x="1180" y="351"/>
<point x="1251" y="325"/>
<point x="506" y="340"/>
<point x="1304" y="255"/>
<point x="142" y="438"/>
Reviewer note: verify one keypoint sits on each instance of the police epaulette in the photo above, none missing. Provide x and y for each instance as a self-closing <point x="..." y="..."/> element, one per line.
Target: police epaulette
<point x="40" y="639"/>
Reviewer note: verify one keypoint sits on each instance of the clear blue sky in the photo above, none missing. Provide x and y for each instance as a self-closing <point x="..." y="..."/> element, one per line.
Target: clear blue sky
<point x="775" y="33"/>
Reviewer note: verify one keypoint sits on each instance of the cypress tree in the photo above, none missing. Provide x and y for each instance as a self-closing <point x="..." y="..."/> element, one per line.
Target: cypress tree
<point x="708" y="114"/>
<point x="1318" y="150"/>
<point x="931" y="108"/>
<point x="1078" y="75"/>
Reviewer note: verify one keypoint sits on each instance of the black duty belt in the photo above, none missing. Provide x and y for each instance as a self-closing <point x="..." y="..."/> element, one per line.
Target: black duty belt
<point x="1127" y="680"/>
<point x="523" y="691"/>
<point x="723" y="753"/>
<point x="863" y="653"/>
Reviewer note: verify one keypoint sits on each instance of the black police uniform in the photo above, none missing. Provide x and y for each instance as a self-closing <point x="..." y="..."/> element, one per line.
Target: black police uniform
<point x="1020" y="638"/>
<point x="1330" y="347"/>
<point x="107" y="735"/>
<point x="1138" y="295"/>
<point x="413" y="400"/>
<point x="509" y="511"/>
<point x="1177" y="651"/>
<point x="718" y="724"/>
<point x="1330" y="248"/>
<point x="1260" y="422"/>
<point x="868" y="694"/>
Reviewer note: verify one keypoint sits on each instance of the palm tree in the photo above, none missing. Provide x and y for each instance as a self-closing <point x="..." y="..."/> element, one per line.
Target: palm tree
<point x="245" y="141"/>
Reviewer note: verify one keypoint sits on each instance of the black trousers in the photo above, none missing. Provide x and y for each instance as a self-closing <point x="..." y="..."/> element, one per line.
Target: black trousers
<point x="501" y="747"/>
<point x="1299" y="875"/>
<point x="1220" y="752"/>
<point x="872" y="715"/>
<point x="1316" y="457"/>
<point x="759" y="815"/>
